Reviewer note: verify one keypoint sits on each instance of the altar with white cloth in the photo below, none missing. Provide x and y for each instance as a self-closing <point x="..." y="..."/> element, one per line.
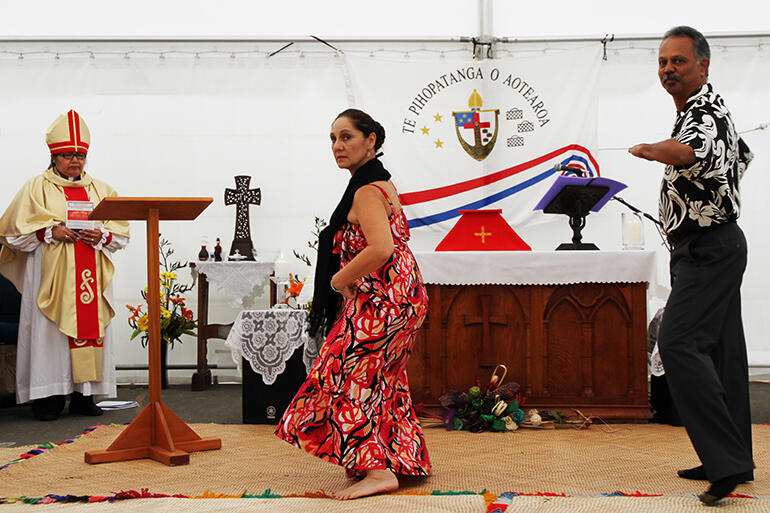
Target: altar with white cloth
<point x="237" y="282"/>
<point x="570" y="326"/>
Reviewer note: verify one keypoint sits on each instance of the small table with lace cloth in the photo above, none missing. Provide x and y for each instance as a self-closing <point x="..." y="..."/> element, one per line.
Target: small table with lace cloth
<point x="274" y="353"/>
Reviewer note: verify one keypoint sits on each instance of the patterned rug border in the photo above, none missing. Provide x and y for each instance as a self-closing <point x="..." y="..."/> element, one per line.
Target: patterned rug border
<point x="144" y="493"/>
<point x="502" y="501"/>
<point x="40" y="449"/>
<point x="495" y="503"/>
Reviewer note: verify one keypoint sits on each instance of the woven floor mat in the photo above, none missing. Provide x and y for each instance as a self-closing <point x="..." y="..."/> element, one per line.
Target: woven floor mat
<point x="11" y="453"/>
<point x="633" y="505"/>
<point x="412" y="504"/>
<point x="628" y="458"/>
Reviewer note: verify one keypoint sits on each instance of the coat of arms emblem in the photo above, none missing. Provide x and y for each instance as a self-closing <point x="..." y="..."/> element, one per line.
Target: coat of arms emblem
<point x="474" y="128"/>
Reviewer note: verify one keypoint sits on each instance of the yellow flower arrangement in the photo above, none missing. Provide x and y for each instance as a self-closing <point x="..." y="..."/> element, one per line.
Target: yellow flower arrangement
<point x="175" y="319"/>
<point x="143" y="323"/>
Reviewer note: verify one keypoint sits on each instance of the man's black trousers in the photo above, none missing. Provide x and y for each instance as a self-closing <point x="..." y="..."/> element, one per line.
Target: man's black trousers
<point x="703" y="348"/>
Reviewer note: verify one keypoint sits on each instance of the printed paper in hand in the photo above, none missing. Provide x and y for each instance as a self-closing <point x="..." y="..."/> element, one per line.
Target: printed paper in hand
<point x="77" y="215"/>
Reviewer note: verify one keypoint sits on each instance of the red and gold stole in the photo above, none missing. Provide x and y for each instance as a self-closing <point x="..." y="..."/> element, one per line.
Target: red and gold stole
<point x="85" y="350"/>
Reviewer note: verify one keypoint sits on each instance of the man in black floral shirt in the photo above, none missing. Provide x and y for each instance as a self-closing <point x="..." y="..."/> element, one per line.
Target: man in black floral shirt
<point x="701" y="335"/>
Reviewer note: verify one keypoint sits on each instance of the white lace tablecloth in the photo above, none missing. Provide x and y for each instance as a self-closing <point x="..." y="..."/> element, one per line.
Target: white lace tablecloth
<point x="535" y="267"/>
<point x="268" y="338"/>
<point x="236" y="281"/>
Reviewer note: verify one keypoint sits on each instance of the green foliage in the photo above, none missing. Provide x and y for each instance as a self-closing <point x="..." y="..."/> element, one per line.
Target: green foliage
<point x="312" y="244"/>
<point x="175" y="319"/>
<point x="555" y="415"/>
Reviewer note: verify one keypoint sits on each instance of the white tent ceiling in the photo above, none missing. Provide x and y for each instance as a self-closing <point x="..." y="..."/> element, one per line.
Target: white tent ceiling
<point x="392" y="18"/>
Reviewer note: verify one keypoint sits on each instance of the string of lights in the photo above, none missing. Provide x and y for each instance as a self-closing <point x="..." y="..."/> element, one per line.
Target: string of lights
<point x="233" y="49"/>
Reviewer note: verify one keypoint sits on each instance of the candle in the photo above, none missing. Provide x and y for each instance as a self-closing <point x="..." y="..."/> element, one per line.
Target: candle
<point x="633" y="234"/>
<point x="281" y="269"/>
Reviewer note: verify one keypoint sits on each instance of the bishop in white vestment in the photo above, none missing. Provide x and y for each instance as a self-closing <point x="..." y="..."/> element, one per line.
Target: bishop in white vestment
<point x="62" y="266"/>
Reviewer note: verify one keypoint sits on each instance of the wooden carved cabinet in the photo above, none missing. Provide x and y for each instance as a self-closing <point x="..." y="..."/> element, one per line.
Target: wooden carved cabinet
<point x="569" y="346"/>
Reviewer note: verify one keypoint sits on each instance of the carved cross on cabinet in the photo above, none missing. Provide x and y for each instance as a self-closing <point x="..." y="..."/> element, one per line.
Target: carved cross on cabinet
<point x="242" y="197"/>
<point x="486" y="320"/>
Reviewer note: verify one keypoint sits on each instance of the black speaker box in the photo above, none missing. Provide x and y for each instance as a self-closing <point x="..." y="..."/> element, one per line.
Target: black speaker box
<point x="265" y="404"/>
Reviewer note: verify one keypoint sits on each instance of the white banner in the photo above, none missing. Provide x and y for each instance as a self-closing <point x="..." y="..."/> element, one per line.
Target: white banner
<point x="463" y="134"/>
<point x="181" y="124"/>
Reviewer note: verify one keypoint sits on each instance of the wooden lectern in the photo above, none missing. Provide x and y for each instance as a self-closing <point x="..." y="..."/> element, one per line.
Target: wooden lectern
<point x="156" y="432"/>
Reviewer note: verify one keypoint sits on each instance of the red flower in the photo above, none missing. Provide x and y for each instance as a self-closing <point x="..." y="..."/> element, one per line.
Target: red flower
<point x="295" y="287"/>
<point x="135" y="311"/>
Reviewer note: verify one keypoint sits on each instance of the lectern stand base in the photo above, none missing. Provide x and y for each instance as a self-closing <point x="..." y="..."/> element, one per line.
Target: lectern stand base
<point x="156" y="433"/>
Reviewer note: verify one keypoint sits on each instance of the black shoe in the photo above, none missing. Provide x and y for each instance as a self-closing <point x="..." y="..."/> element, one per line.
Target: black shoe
<point x="721" y="489"/>
<point x="48" y="408"/>
<point x="699" y="474"/>
<point x="695" y="473"/>
<point x="84" y="405"/>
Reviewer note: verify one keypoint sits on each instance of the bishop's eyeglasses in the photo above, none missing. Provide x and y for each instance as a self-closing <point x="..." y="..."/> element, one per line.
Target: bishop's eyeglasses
<point x="69" y="155"/>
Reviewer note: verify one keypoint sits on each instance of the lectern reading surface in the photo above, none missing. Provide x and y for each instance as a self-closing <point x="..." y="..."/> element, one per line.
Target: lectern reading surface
<point x="156" y="432"/>
<point x="577" y="197"/>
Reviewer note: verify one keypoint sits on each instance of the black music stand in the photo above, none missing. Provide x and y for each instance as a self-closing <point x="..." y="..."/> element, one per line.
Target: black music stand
<point x="576" y="198"/>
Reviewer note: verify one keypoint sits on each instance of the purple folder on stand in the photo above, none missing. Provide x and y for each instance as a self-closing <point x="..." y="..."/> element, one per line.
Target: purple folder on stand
<point x="612" y="188"/>
<point x="576" y="197"/>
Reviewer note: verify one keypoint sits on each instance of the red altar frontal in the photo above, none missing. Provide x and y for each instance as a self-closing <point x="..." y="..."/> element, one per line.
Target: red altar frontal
<point x="569" y="325"/>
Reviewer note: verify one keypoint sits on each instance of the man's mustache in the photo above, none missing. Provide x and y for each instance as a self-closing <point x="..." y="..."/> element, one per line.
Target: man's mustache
<point x="671" y="76"/>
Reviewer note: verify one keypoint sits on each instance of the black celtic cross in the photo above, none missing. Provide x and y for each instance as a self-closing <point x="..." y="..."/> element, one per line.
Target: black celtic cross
<point x="242" y="197"/>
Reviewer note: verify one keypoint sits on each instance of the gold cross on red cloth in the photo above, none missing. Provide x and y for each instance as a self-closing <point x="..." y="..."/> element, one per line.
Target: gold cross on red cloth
<point x="483" y="234"/>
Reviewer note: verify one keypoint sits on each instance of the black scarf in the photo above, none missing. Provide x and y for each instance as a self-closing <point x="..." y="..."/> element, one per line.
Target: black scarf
<point x="325" y="301"/>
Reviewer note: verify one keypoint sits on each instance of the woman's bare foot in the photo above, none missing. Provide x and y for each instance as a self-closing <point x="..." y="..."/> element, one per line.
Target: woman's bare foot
<point x="376" y="481"/>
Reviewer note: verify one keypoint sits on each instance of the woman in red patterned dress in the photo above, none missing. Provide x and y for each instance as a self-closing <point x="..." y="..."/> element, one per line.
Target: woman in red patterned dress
<point x="354" y="409"/>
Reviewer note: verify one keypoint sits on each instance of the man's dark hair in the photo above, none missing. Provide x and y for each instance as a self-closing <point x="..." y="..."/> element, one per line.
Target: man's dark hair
<point x="702" y="50"/>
